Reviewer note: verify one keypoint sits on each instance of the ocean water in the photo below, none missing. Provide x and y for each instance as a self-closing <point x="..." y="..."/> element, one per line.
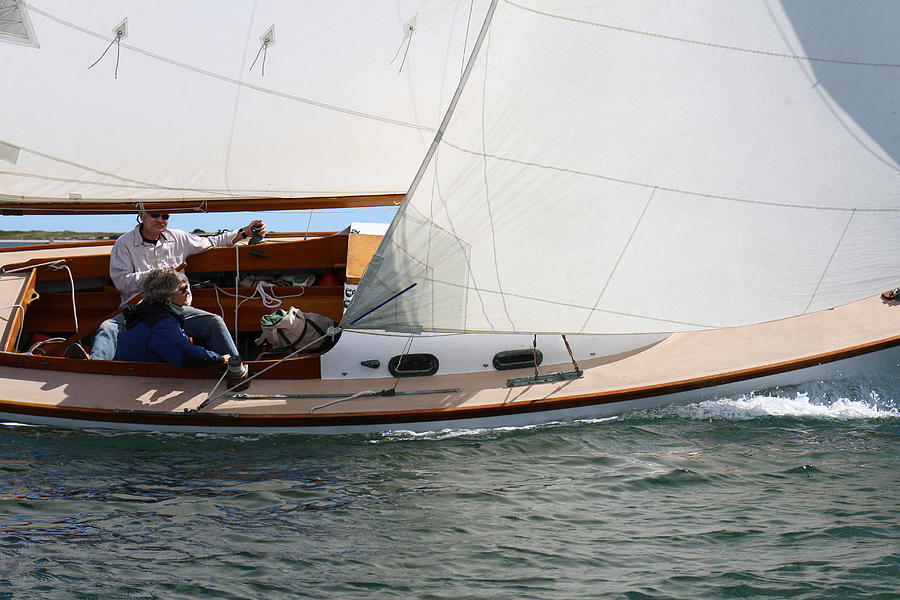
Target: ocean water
<point x="782" y="494"/>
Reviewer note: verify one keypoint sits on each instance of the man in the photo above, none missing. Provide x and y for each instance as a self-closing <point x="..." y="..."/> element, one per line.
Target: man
<point x="152" y="245"/>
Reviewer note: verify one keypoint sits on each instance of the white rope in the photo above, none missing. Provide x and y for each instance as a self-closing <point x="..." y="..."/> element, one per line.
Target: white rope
<point x="55" y="340"/>
<point x="237" y="275"/>
<point x="25" y="268"/>
<point x="269" y="299"/>
<point x="353" y="397"/>
<point x="72" y="284"/>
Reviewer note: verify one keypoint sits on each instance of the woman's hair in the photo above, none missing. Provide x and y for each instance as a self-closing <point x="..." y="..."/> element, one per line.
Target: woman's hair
<point x="160" y="283"/>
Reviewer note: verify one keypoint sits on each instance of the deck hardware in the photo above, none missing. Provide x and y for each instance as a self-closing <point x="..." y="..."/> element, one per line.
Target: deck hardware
<point x="388" y="392"/>
<point x="548" y="378"/>
<point x="372" y="363"/>
<point x="413" y="365"/>
<point x="517" y="359"/>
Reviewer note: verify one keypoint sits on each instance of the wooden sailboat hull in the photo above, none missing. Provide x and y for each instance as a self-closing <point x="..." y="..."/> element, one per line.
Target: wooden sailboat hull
<point x="655" y="376"/>
<point x="335" y="394"/>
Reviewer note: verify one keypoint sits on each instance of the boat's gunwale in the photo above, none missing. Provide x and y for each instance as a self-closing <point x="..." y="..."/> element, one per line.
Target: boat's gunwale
<point x="274" y="421"/>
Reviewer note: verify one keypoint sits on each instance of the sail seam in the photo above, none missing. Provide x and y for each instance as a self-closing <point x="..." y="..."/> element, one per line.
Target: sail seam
<point x="664" y="188"/>
<point x="238" y="82"/>
<point x="674" y="38"/>
<point x="113" y="175"/>
<point x="578" y="306"/>
<point x="619" y="258"/>
<point x="828" y="264"/>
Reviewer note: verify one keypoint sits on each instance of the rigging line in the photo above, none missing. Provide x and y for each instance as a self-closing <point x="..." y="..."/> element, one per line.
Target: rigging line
<point x="673" y="38"/>
<point x="407" y="39"/>
<point x="253" y="64"/>
<point x="405" y="52"/>
<point x="238" y="82"/>
<point x="619" y="258"/>
<point x="828" y="264"/>
<point x="114" y="40"/>
<point x="308" y="223"/>
<point x="118" y="50"/>
<point x="664" y="188"/>
<point x="332" y="331"/>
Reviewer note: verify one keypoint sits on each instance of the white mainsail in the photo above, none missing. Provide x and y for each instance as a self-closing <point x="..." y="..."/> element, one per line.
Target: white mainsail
<point x="639" y="166"/>
<point x="206" y="99"/>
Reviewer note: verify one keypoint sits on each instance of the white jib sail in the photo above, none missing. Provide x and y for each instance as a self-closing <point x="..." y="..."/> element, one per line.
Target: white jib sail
<point x="148" y="100"/>
<point x="639" y="166"/>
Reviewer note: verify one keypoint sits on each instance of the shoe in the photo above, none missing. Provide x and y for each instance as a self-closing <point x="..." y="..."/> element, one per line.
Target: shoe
<point x="891" y="295"/>
<point x="76" y="350"/>
<point x="236" y="374"/>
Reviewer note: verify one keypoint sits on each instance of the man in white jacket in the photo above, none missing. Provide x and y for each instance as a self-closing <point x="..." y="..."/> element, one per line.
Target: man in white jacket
<point x="152" y="245"/>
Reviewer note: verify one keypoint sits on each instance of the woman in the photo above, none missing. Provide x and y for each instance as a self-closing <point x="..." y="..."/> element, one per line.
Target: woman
<point x="155" y="327"/>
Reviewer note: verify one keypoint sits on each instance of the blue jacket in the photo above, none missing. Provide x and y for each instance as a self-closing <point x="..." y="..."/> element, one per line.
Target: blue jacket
<point x="156" y="334"/>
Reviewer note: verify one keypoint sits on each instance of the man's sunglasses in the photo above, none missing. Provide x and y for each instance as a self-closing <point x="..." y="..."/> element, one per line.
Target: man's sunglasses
<point x="163" y="216"/>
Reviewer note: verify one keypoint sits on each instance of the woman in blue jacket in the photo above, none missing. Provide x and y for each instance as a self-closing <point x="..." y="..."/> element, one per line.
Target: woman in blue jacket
<point x="155" y="327"/>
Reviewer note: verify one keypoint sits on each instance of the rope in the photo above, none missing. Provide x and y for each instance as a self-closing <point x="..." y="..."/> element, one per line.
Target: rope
<point x="55" y="340"/>
<point x="572" y="356"/>
<point x="27" y="267"/>
<point x="353" y="397"/>
<point x="332" y="331"/>
<point x="72" y="285"/>
<point x="117" y="42"/>
<point x="237" y="275"/>
<point x="264" y="49"/>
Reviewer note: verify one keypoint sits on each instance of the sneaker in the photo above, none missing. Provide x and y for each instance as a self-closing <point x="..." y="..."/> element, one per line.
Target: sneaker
<point x="76" y="350"/>
<point x="891" y="294"/>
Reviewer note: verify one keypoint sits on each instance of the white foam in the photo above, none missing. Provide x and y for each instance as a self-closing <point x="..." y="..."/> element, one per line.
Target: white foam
<point x="763" y="405"/>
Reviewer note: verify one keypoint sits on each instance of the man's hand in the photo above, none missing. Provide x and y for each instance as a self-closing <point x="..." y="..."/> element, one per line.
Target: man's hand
<point x="246" y="232"/>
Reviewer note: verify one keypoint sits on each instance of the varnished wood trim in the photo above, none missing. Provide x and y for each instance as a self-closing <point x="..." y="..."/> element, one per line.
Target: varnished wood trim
<point x="17" y="317"/>
<point x="69" y="207"/>
<point x="303" y="367"/>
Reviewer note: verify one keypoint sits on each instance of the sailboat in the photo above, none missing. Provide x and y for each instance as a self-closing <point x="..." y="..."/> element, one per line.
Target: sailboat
<point x="602" y="206"/>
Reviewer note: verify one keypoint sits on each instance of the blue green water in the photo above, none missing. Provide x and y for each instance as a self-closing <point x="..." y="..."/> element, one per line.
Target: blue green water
<point x="777" y="495"/>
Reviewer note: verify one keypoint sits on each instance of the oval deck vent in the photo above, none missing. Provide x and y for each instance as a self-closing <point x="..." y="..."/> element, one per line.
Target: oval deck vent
<point x="517" y="359"/>
<point x="413" y="365"/>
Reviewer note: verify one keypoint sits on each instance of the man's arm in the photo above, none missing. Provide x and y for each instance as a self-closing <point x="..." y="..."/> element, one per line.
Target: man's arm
<point x="121" y="270"/>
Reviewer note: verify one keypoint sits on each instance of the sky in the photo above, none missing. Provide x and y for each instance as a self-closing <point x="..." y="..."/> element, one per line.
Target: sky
<point x="294" y="220"/>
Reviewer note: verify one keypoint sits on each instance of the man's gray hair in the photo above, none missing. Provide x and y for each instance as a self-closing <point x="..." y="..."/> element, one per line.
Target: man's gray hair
<point x="160" y="283"/>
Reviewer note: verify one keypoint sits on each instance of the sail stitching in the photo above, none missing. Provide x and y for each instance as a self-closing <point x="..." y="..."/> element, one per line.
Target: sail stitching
<point x="580" y="307"/>
<point x="619" y="259"/>
<point x="674" y="38"/>
<point x="487" y="188"/>
<point x="231" y="80"/>
<point x="664" y="188"/>
<point x="828" y="264"/>
<point x="113" y="175"/>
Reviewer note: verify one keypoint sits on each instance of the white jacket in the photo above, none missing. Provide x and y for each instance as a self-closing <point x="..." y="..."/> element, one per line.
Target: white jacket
<point x="132" y="258"/>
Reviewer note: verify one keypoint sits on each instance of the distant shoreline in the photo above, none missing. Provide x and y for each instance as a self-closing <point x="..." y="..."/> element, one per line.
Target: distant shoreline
<point x="41" y="237"/>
